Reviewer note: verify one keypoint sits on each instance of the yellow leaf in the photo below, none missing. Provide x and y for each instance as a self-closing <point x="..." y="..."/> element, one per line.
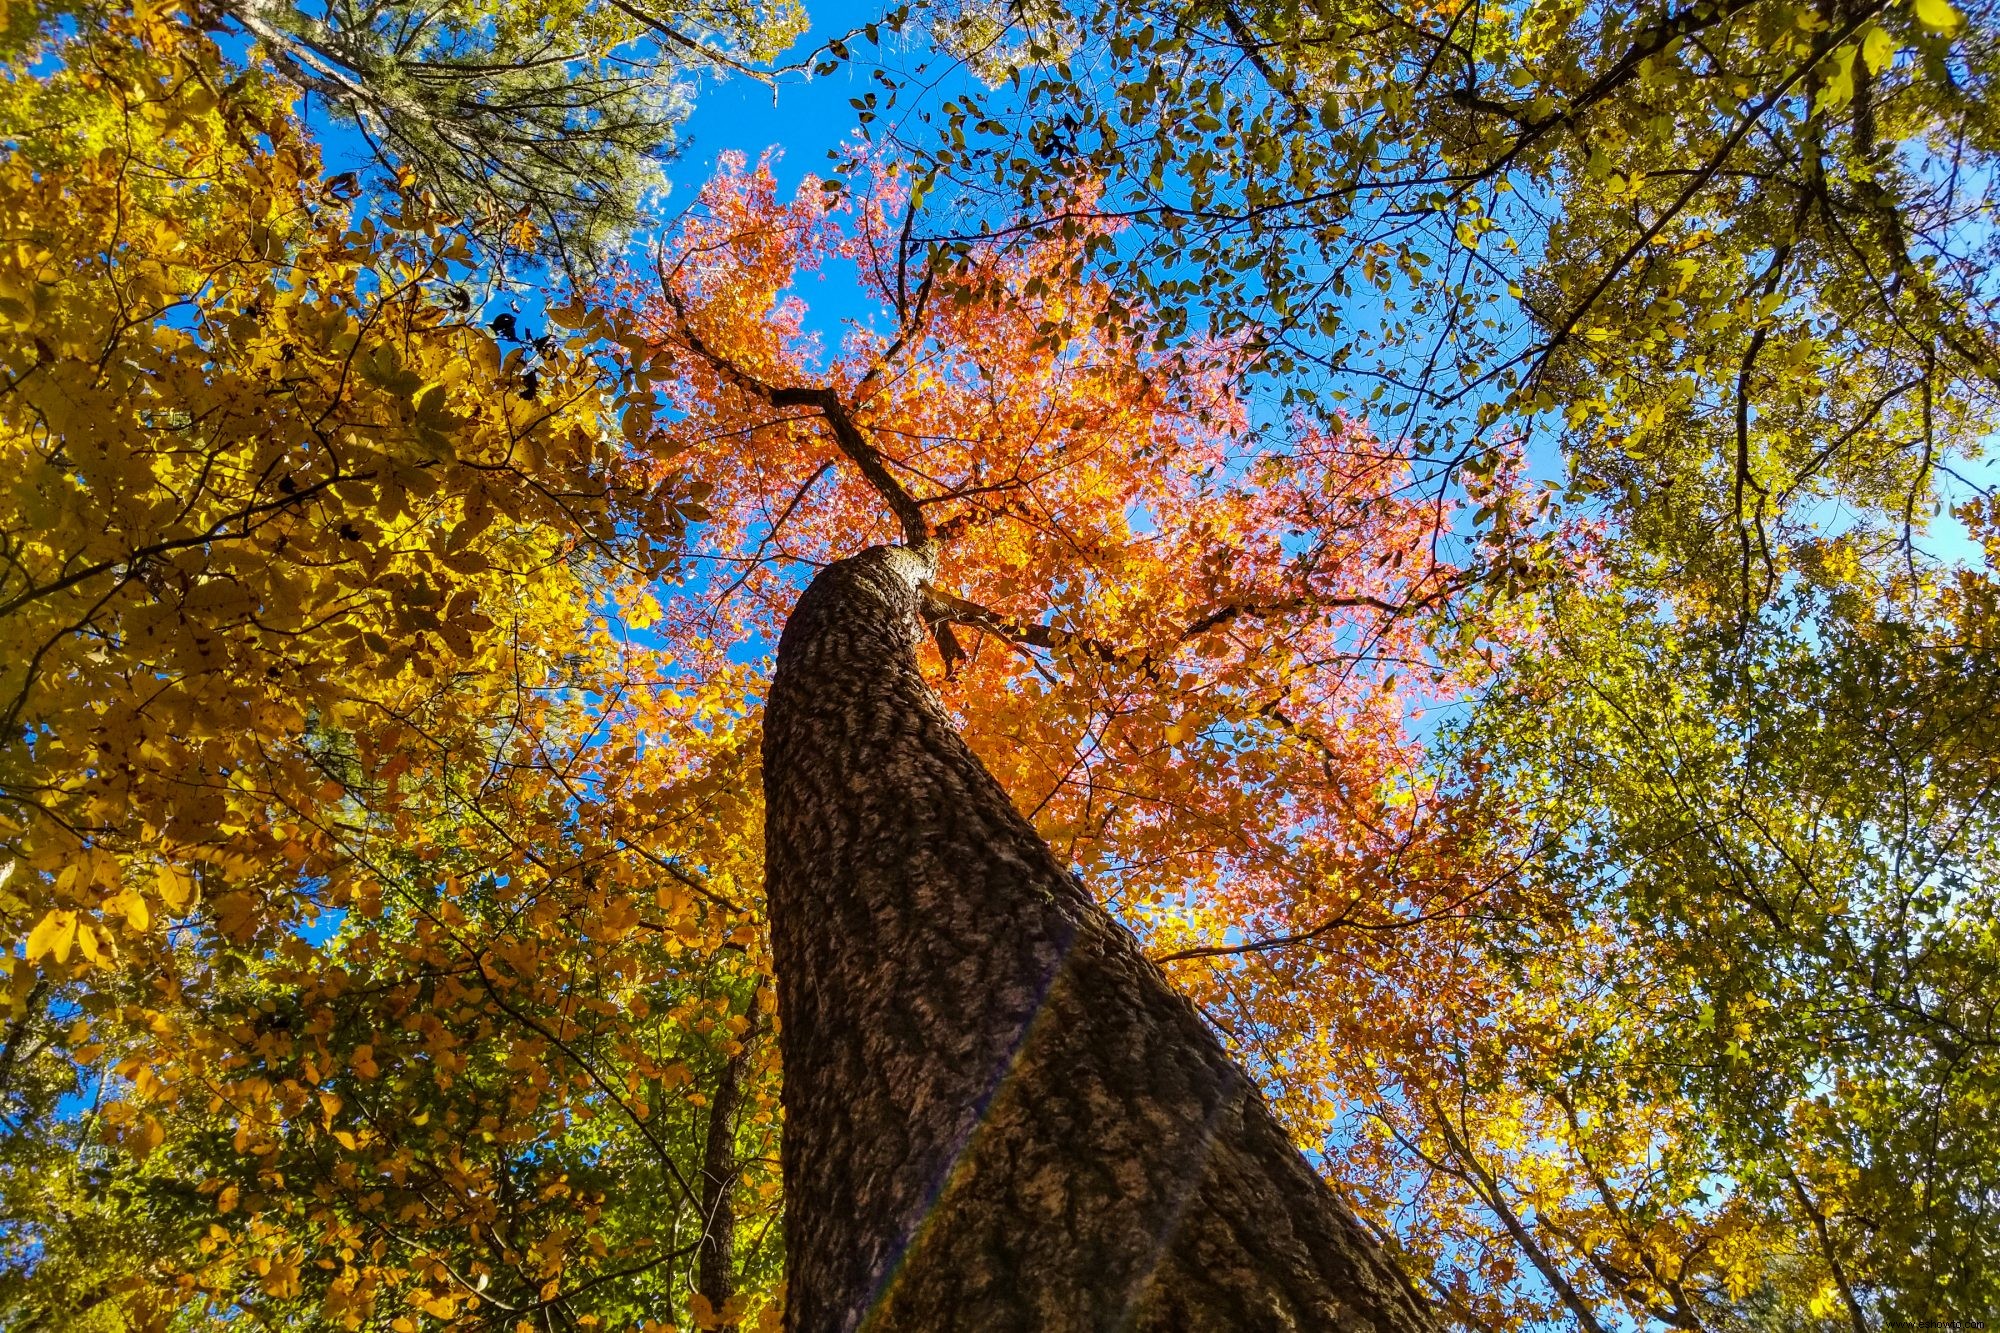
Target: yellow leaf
<point x="225" y="1202"/>
<point x="53" y="935"/>
<point x="133" y="905"/>
<point x="1878" y="48"/>
<point x="145" y="1137"/>
<point x="1937" y="15"/>
<point x="177" y="888"/>
<point x="86" y="943"/>
<point x="1837" y="89"/>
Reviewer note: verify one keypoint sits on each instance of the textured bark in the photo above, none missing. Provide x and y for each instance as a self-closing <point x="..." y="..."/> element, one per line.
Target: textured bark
<point x="716" y="1276"/>
<point x="998" y="1114"/>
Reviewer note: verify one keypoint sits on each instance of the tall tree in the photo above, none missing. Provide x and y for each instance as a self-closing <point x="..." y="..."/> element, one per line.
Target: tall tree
<point x="999" y="1114"/>
<point x="1081" y="501"/>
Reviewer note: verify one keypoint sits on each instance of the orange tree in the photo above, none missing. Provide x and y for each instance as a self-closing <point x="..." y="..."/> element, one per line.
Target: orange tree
<point x="1188" y="655"/>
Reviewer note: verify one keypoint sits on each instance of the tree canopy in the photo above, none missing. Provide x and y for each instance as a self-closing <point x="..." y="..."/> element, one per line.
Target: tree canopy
<point x="542" y="128"/>
<point x="1440" y="522"/>
<point x="1733" y="259"/>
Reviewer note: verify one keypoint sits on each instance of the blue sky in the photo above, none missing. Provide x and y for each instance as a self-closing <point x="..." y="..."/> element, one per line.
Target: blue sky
<point x="808" y="116"/>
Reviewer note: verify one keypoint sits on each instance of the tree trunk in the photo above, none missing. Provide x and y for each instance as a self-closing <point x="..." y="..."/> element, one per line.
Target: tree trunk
<point x="716" y="1276"/>
<point x="998" y="1114"/>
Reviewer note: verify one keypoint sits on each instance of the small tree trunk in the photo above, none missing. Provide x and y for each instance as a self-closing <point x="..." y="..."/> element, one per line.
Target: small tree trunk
<point x="999" y="1115"/>
<point x="716" y="1277"/>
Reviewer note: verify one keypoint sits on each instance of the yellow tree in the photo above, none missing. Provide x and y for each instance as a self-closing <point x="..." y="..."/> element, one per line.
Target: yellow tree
<point x="303" y="600"/>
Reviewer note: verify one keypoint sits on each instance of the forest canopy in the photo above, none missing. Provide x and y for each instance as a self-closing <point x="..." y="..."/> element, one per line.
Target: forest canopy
<point x="1464" y="527"/>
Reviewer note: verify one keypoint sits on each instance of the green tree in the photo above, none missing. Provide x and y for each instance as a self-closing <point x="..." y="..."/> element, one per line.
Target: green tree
<point x="74" y="1212"/>
<point x="542" y="126"/>
<point x="1790" y="825"/>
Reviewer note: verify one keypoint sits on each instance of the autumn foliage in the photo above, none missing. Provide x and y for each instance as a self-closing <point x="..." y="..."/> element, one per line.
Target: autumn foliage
<point x="383" y="843"/>
<point x="309" y="720"/>
<point x="381" y="658"/>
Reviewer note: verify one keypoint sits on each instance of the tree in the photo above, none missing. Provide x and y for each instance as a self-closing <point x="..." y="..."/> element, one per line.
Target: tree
<point x="73" y="1212"/>
<point x="540" y="128"/>
<point x="722" y="1166"/>
<point x="1791" y="826"/>
<point x="1030" y="458"/>
<point x="999" y="1114"/>
<point x="316" y="941"/>
<point x="249" y="448"/>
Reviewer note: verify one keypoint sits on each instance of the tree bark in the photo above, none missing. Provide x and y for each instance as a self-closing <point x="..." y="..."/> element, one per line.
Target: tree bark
<point x="998" y="1114"/>
<point x="716" y="1275"/>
